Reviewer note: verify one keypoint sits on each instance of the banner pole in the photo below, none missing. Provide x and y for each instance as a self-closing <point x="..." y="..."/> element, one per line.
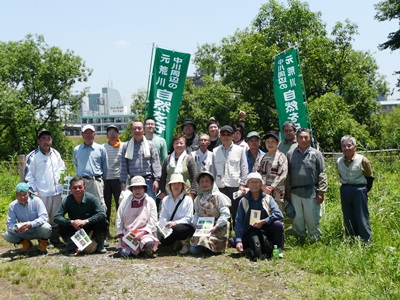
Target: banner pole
<point x="149" y="80"/>
<point x="305" y="98"/>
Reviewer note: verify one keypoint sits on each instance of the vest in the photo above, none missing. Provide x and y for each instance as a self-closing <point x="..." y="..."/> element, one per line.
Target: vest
<point x="228" y="168"/>
<point x="352" y="174"/>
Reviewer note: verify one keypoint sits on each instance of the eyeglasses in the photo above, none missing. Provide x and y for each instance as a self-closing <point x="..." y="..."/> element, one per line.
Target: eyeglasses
<point x="137" y="187"/>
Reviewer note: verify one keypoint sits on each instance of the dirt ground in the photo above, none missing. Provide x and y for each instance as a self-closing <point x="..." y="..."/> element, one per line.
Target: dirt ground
<point x="169" y="275"/>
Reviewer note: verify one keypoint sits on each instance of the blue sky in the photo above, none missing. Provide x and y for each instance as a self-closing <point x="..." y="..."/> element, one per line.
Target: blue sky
<point x="115" y="37"/>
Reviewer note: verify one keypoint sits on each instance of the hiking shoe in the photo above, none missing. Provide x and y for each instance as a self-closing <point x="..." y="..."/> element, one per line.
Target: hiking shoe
<point x="43" y="246"/>
<point x="185" y="249"/>
<point x="70" y="248"/>
<point x="26" y="245"/>
<point x="280" y="253"/>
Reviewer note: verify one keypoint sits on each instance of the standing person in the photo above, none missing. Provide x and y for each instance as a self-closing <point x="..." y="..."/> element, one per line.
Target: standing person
<point x="273" y="167"/>
<point x="140" y="158"/>
<point x="189" y="131"/>
<point x="230" y="167"/>
<point x="179" y="162"/>
<point x="43" y="170"/>
<point x="210" y="202"/>
<point x="27" y="220"/>
<point x="355" y="175"/>
<point x="91" y="164"/>
<point x="112" y="185"/>
<point x="137" y="212"/>
<point x="289" y="143"/>
<point x="213" y="132"/>
<point x="238" y="136"/>
<point x="159" y="142"/>
<point x="84" y="211"/>
<point x="177" y="210"/>
<point x="254" y="152"/>
<point x="203" y="157"/>
<point x="306" y="185"/>
<point x="268" y="224"/>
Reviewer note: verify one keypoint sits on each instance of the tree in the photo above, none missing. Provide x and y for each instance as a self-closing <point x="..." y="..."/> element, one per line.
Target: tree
<point x="243" y="65"/>
<point x="388" y="10"/>
<point x="36" y="82"/>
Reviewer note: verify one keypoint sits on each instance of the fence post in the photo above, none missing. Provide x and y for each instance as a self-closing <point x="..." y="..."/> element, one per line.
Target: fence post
<point x="22" y="163"/>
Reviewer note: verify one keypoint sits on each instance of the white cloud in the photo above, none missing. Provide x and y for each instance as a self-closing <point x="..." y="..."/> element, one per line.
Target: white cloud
<point x="122" y="43"/>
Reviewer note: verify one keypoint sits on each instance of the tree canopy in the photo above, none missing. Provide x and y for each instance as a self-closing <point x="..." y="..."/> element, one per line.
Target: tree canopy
<point x="36" y="82"/>
<point x="238" y="75"/>
<point x="386" y="11"/>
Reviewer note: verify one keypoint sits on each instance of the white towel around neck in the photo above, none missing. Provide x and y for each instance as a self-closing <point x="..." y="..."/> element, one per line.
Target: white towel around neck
<point x="178" y="166"/>
<point x="130" y="147"/>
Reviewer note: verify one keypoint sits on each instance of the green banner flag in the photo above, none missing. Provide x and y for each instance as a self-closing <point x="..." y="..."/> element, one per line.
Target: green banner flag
<point x="288" y="89"/>
<point x="167" y="85"/>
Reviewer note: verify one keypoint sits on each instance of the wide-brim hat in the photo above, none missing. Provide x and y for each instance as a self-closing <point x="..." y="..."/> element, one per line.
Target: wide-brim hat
<point x="254" y="175"/>
<point x="188" y="122"/>
<point x="138" y="181"/>
<point x="198" y="175"/>
<point x="175" y="178"/>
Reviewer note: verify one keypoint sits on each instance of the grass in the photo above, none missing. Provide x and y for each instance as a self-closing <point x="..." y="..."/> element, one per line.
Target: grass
<point x="335" y="267"/>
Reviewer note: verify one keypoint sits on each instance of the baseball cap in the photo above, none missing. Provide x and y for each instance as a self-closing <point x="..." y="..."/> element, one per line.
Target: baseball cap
<point x="253" y="134"/>
<point x="226" y="128"/>
<point x="43" y="132"/>
<point x="112" y="127"/>
<point x="86" y="127"/>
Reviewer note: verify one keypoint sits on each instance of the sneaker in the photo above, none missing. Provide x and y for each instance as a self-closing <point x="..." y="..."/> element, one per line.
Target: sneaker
<point x="43" y="246"/>
<point x="100" y="248"/>
<point x="70" y="248"/>
<point x="148" y="250"/>
<point x="280" y="253"/>
<point x="106" y="243"/>
<point x="185" y="249"/>
<point x="26" y="245"/>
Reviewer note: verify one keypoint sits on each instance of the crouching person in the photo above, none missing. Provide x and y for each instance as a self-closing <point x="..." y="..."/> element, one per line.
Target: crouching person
<point x="177" y="210"/>
<point x="137" y="212"/>
<point x="258" y="218"/>
<point x="27" y="220"/>
<point x="84" y="211"/>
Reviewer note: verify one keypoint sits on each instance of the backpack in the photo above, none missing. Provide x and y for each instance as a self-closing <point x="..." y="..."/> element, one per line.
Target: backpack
<point x="260" y="247"/>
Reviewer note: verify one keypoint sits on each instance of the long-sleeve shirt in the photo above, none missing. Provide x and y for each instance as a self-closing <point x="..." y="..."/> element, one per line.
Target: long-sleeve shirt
<point x="33" y="211"/>
<point x="91" y="160"/>
<point x="230" y="166"/>
<point x="42" y="172"/>
<point x="126" y="203"/>
<point x="89" y="208"/>
<point x="140" y="165"/>
<point x="306" y="172"/>
<point x="114" y="160"/>
<point x="184" y="213"/>
<point x="270" y="214"/>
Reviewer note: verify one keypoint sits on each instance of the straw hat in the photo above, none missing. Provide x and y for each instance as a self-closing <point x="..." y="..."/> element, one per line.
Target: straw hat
<point x="175" y="178"/>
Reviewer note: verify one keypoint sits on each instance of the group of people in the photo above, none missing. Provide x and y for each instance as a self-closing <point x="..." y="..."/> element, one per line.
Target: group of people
<point x="217" y="175"/>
